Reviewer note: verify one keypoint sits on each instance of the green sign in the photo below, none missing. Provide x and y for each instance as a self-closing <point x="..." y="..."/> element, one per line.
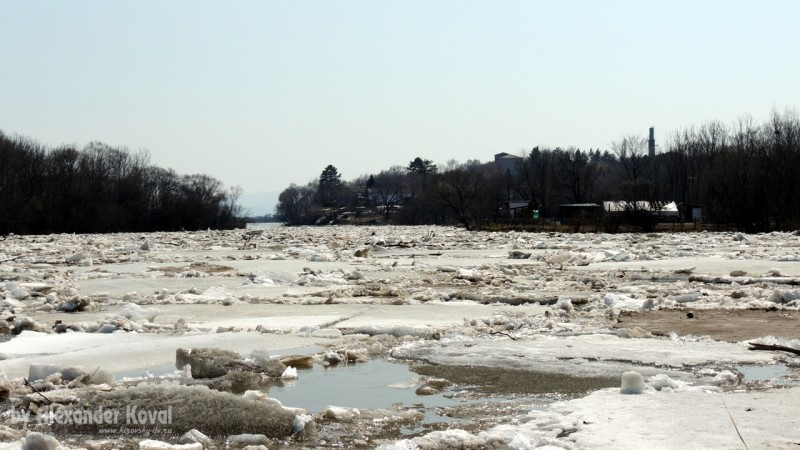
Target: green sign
<point x="535" y="213"/>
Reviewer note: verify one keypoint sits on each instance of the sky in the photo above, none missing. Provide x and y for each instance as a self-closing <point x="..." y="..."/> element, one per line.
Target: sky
<point x="262" y="94"/>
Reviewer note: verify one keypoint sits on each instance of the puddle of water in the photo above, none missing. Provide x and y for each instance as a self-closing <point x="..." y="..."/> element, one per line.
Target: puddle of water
<point x="764" y="373"/>
<point x="376" y="384"/>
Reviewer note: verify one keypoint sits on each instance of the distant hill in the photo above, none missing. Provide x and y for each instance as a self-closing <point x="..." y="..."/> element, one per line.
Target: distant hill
<point x="259" y="203"/>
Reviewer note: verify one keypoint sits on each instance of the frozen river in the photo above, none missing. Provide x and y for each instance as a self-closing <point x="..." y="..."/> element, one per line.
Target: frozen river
<point x="445" y="338"/>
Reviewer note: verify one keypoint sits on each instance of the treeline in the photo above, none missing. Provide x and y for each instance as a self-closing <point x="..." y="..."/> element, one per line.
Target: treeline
<point x="103" y="189"/>
<point x="742" y="176"/>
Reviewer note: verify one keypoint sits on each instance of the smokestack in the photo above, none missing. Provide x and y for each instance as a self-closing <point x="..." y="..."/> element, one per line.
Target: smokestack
<point x="651" y="144"/>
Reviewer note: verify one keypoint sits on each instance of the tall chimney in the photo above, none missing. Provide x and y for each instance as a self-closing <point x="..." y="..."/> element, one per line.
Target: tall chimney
<point x="651" y="144"/>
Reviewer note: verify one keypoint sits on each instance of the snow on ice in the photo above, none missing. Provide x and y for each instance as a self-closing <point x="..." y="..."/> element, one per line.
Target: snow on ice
<point x="98" y="319"/>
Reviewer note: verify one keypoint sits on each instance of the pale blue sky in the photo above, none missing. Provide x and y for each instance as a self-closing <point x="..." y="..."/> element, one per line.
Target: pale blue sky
<point x="264" y="93"/>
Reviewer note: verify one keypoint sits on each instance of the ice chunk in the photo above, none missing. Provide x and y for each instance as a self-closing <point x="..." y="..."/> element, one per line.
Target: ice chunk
<point x="329" y="333"/>
<point x="74" y="304"/>
<point x="725" y="377"/>
<point x="39" y="441"/>
<point x="405" y="444"/>
<point x="289" y="374"/>
<point x="564" y="304"/>
<point x="107" y="328"/>
<point x="621" y="301"/>
<point x="255" y="395"/>
<point x="661" y="381"/>
<point x="19" y="293"/>
<point x="193" y="436"/>
<point x="465" y="273"/>
<point x="450" y="439"/>
<point x="304" y="425"/>
<point x="11" y="303"/>
<point x="686" y="298"/>
<point x="135" y="312"/>
<point x="432" y="386"/>
<point x="775" y="272"/>
<point x="101" y="376"/>
<point x="151" y="444"/>
<point x="76" y="257"/>
<point x="243" y="440"/>
<point x="339" y="413"/>
<point x="781" y="296"/>
<point x="213" y="362"/>
<point x="632" y="383"/>
<point x="622" y="256"/>
<point x="42" y="371"/>
<point x="332" y="357"/>
<point x="396" y="331"/>
<point x="322" y="257"/>
<point x="633" y="333"/>
<point x="518" y="254"/>
<point x="301" y="361"/>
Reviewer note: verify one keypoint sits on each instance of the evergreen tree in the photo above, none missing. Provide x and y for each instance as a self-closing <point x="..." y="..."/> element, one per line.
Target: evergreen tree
<point x="330" y="182"/>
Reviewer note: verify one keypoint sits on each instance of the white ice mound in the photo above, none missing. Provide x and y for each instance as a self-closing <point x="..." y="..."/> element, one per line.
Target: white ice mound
<point x="289" y="374"/>
<point x="632" y="383"/>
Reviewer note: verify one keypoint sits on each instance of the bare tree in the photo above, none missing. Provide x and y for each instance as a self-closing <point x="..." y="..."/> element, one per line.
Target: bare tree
<point x="102" y="188"/>
<point x="295" y="205"/>
<point x="538" y="179"/>
<point x="461" y="189"/>
<point x="389" y="189"/>
<point x="578" y="174"/>
<point x="632" y="154"/>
